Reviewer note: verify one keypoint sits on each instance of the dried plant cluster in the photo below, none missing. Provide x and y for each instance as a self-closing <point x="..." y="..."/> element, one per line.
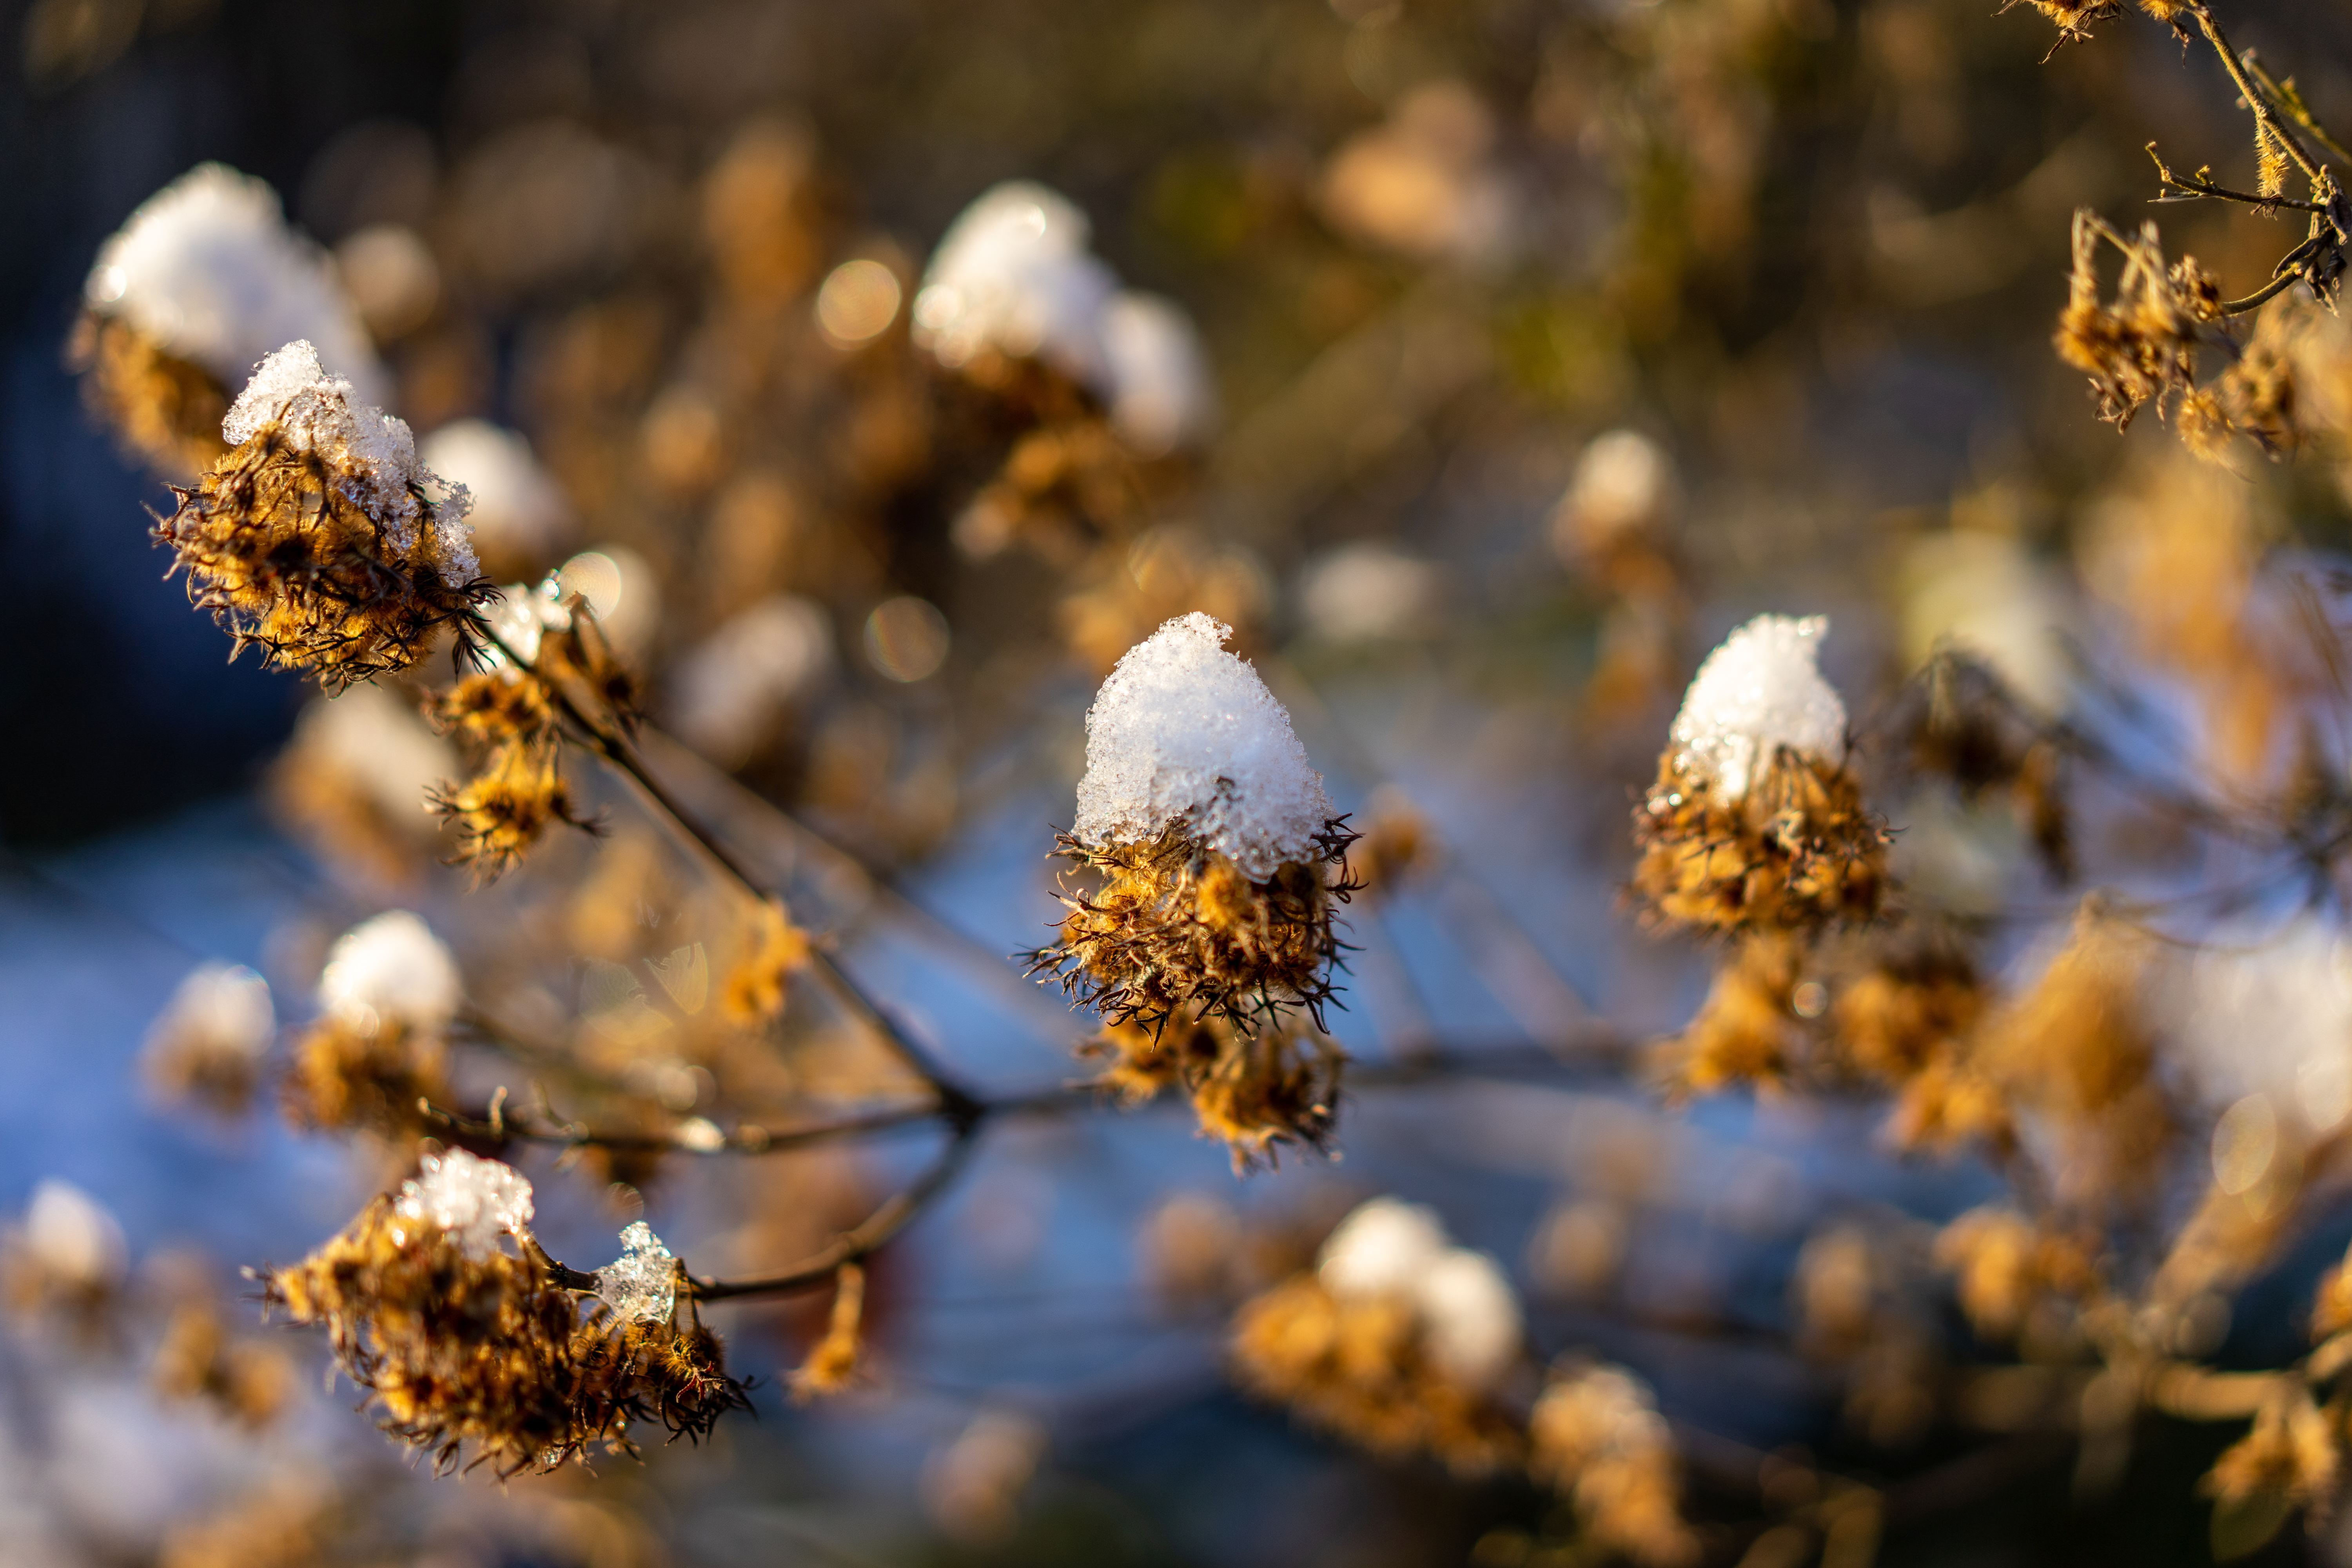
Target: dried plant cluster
<point x="786" y="459"/>
<point x="481" y="1356"/>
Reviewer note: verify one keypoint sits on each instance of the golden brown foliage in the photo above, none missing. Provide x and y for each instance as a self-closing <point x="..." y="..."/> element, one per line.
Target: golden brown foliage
<point x="2005" y="1267"/>
<point x="199" y="1359"/>
<point x="1356" y="1367"/>
<point x="1177" y="932"/>
<point x="1253" y="1091"/>
<point x="755" y="988"/>
<point x="491" y="1353"/>
<point x="275" y="546"/>
<point x="345" y="1076"/>
<point x="1597" y="1438"/>
<point x="1798" y="852"/>
<point x="162" y="407"/>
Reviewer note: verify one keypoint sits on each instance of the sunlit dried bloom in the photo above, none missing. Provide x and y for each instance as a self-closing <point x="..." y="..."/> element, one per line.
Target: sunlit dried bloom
<point x="1253" y="1090"/>
<point x="501" y="812"/>
<point x="1425" y="183"/>
<point x="66" y="1254"/>
<point x="389" y="991"/>
<point x="2292" y="1455"/>
<point x="1062" y="486"/>
<point x="1747" y="1031"/>
<point x="280" y="1526"/>
<point x="201" y="282"/>
<point x="2078" y="1049"/>
<point x="316" y="540"/>
<point x="832" y="1362"/>
<point x="200" y="1358"/>
<point x="1398" y="1342"/>
<point x="1216" y="856"/>
<point x="464" y="1346"/>
<point x="1908" y="1007"/>
<point x="2072" y="17"/>
<point x="208" y="1042"/>
<point x="2005" y="1266"/>
<point x="2142" y="348"/>
<point x="1395" y="846"/>
<point x="971" y="1489"/>
<point x="1596" y="1437"/>
<point x="1755" y="823"/>
<point x="757" y="985"/>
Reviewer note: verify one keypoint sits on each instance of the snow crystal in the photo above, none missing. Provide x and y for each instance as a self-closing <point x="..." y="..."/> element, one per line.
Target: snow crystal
<point x="730" y="690"/>
<point x="207" y="268"/>
<point x="476" y="1201"/>
<point x="1159" y="387"/>
<point x="1013" y="273"/>
<point x="520" y="616"/>
<point x="1470" y="1317"/>
<point x="71" y="1235"/>
<point x="519" y="511"/>
<point x="226" y="1006"/>
<point x="1184" y="732"/>
<point x="2270" y="1012"/>
<point x="642" y="1285"/>
<point x="321" y="413"/>
<point x="1760" y="691"/>
<point x="391" y="969"/>
<point x="1382" y="1247"/>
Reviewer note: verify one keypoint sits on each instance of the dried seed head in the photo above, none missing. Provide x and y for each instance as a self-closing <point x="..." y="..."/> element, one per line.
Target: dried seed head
<point x="1597" y="1438"/>
<point x="1253" y="1090"/>
<point x="465" y="1347"/>
<point x="1175" y="931"/>
<point x="208" y="1044"/>
<point x="501" y="812"/>
<point x="755" y="988"/>
<point x="1397" y="1342"/>
<point x="315" y="539"/>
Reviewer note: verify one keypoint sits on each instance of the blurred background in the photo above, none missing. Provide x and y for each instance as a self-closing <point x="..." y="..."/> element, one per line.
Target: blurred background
<point x="1539" y="343"/>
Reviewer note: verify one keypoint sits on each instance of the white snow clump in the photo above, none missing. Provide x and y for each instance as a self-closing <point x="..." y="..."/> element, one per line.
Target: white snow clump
<point x="476" y="1200"/>
<point x="1014" y="274"/>
<point x="2270" y="1014"/>
<point x="391" y="970"/>
<point x="1184" y="732"/>
<point x="376" y="744"/>
<point x="518" y="509"/>
<point x="642" y="1284"/>
<point x="208" y="269"/>
<point x="731" y="689"/>
<point x="72" y="1236"/>
<point x="1470" y="1324"/>
<point x="225" y="1006"/>
<point x="376" y="453"/>
<point x="1760" y="691"/>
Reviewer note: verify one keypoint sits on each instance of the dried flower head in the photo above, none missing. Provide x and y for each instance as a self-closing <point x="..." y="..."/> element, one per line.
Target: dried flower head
<point x="315" y="539"/>
<point x="463" y="1345"/>
<point x="1597" y="1438"/>
<point x="202" y="281"/>
<point x="2005" y="1267"/>
<point x="1253" y="1090"/>
<point x="755" y="988"/>
<point x="1755" y="823"/>
<point x="2072" y="17"/>
<point x="1397" y="1342"/>
<point x="2142" y="348"/>
<point x="386" y="998"/>
<point x="247" y="1379"/>
<point x="207" y="1044"/>
<point x="2292" y="1456"/>
<point x="1215" y="850"/>
<point x="68" y="1255"/>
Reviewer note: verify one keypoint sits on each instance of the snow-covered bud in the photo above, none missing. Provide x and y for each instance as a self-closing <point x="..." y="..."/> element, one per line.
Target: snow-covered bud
<point x="319" y="537"/>
<point x="389" y="991"/>
<point x="202" y="280"/>
<point x="1396" y="1340"/>
<point x="208" y="1042"/>
<point x="1755" y="823"/>
<point x="474" y="1344"/>
<point x="1215" y="856"/>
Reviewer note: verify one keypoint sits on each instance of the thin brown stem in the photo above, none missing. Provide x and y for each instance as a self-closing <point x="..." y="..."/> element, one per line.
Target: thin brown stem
<point x="2282" y="93"/>
<point x="2258" y="101"/>
<point x="2196" y="186"/>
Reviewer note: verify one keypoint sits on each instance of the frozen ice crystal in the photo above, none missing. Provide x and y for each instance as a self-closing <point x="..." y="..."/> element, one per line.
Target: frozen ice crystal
<point x="1185" y="732"/>
<point x="374" y="453"/>
<point x="642" y="1284"/>
<point x="1760" y="691"/>
<point x="476" y="1201"/>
